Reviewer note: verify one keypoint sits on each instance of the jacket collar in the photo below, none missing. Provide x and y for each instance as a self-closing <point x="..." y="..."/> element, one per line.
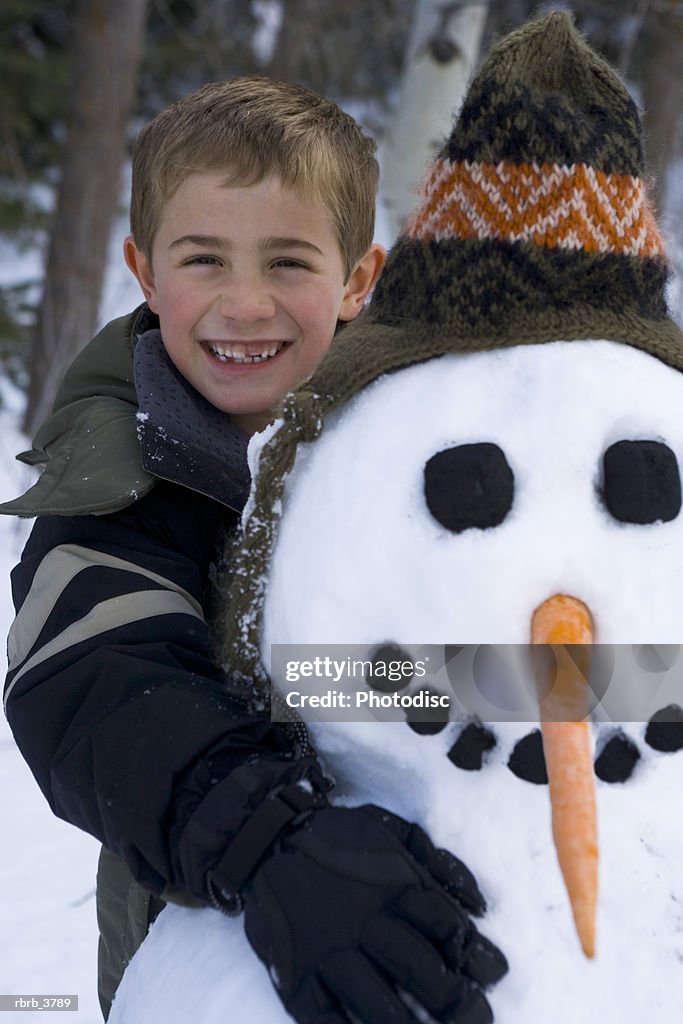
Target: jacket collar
<point x="183" y="437"/>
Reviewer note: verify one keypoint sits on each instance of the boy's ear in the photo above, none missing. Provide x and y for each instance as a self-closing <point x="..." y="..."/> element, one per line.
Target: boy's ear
<point x="139" y="264"/>
<point x="361" y="282"/>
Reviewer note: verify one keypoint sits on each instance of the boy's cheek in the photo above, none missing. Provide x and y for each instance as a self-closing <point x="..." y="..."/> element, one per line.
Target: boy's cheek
<point x="171" y="310"/>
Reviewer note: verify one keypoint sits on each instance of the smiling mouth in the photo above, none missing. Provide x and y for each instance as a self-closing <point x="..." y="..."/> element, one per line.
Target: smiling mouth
<point x="245" y="353"/>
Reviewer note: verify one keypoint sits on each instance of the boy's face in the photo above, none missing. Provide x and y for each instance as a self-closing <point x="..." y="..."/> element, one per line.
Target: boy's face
<point x="248" y="283"/>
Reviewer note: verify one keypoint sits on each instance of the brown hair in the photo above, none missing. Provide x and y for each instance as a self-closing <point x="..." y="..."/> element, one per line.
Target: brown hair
<point x="254" y="127"/>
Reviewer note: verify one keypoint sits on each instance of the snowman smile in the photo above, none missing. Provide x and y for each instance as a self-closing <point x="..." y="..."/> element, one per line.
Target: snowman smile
<point x="245" y="353"/>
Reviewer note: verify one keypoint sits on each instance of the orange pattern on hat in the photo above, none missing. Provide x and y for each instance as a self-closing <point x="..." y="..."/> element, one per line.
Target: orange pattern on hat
<point x="575" y="207"/>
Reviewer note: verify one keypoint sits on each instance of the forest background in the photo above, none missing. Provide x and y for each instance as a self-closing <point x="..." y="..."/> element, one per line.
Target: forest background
<point x="80" y="77"/>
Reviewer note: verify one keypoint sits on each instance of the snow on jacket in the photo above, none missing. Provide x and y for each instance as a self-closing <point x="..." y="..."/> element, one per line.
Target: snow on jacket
<point x="112" y="692"/>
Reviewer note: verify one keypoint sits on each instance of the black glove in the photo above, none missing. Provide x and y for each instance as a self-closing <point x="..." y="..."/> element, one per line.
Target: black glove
<point x="359" y="917"/>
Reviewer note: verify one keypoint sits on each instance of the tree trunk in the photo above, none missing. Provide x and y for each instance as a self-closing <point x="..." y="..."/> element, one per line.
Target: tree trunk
<point x="295" y="37"/>
<point x="442" y="53"/>
<point x="107" y="44"/>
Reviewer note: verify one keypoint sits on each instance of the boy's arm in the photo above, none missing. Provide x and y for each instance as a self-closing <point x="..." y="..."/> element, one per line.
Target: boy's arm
<point x="115" y="701"/>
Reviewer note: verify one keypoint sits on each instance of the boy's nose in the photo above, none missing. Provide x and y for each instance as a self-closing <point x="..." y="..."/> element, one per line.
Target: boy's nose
<point x="246" y="301"/>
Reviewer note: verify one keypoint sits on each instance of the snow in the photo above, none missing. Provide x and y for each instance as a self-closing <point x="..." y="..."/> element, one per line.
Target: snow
<point x="221" y="979"/>
<point x="48" y="932"/>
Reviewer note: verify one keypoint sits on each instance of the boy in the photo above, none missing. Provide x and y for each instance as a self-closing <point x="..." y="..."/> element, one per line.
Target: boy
<point x="252" y="217"/>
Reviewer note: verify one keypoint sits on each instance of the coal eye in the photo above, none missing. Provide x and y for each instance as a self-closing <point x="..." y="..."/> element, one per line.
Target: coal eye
<point x="641" y="482"/>
<point x="392" y="669"/>
<point x="470" y="485"/>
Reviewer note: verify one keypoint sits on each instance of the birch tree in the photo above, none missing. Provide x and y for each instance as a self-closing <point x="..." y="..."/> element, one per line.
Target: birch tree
<point x="441" y="56"/>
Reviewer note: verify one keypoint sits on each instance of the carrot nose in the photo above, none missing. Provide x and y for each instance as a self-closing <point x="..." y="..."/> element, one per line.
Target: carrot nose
<point x="566" y="743"/>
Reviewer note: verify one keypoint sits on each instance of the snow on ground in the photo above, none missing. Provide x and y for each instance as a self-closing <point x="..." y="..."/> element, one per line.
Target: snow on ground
<point x="48" y="931"/>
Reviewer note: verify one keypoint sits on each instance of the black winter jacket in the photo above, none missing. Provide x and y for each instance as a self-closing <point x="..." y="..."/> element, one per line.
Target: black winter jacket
<point x="113" y="695"/>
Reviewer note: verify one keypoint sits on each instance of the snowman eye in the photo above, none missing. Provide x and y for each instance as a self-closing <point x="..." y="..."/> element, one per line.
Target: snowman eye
<point x="641" y="482"/>
<point x="470" y="485"/>
<point x="392" y="669"/>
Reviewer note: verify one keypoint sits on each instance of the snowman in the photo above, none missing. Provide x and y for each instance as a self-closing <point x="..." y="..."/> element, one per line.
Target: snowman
<point x="479" y="487"/>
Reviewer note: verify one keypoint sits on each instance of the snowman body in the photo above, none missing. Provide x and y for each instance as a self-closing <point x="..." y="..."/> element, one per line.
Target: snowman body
<point x="197" y="964"/>
<point x="360" y="559"/>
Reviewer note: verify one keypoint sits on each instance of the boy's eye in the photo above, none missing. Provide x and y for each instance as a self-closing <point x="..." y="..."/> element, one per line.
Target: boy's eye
<point x="641" y="482"/>
<point x="203" y="261"/>
<point x="285" y="261"/>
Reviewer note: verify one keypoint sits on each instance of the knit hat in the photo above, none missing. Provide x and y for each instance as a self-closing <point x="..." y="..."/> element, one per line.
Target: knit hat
<point x="533" y="226"/>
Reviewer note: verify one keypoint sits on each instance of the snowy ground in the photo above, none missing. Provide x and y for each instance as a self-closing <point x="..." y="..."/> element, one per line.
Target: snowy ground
<point x="48" y="932"/>
<point x="47" y="868"/>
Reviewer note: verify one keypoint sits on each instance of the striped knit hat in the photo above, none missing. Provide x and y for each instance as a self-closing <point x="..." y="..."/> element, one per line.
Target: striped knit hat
<point x="533" y="226"/>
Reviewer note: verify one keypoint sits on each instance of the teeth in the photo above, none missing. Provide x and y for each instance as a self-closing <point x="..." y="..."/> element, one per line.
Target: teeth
<point x="226" y="354"/>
